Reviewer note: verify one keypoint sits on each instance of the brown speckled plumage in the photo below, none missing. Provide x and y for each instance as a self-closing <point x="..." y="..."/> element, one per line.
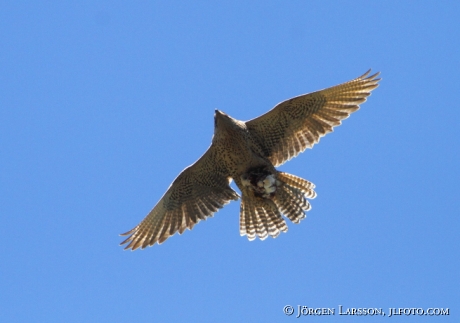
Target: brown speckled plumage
<point x="248" y="152"/>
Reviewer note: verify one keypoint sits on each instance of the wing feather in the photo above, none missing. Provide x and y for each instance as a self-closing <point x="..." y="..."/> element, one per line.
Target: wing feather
<point x="298" y="123"/>
<point x="199" y="191"/>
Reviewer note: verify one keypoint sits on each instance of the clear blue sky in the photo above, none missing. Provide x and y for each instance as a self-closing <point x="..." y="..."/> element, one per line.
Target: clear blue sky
<point x="103" y="103"/>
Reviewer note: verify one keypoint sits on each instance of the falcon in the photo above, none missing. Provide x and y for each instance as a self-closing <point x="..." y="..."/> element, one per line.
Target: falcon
<point x="247" y="152"/>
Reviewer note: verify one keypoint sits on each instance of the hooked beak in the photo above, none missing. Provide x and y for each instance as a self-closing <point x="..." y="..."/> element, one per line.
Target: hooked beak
<point x="218" y="117"/>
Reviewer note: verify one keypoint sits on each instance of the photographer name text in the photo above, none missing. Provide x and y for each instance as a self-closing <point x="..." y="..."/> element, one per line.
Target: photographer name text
<point x="302" y="310"/>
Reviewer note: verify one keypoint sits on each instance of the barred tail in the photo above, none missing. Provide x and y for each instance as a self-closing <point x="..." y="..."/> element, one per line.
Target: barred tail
<point x="261" y="216"/>
<point x="291" y="197"/>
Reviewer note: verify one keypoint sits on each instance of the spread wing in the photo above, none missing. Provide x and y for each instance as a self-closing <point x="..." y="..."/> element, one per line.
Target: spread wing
<point x="298" y="123"/>
<point x="198" y="192"/>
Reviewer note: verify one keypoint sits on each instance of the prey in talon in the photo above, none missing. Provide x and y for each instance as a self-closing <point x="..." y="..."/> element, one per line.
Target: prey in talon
<point x="261" y="181"/>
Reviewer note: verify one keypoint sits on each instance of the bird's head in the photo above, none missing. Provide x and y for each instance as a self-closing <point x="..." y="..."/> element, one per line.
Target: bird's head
<point x="224" y="124"/>
<point x="220" y="117"/>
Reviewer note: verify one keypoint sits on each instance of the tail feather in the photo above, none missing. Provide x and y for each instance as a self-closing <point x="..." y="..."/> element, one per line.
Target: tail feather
<point x="301" y="184"/>
<point x="262" y="223"/>
<point x="276" y="220"/>
<point x="247" y="218"/>
<point x="289" y="206"/>
<point x="243" y="215"/>
<point x="298" y="196"/>
<point x="272" y="230"/>
<point x="261" y="216"/>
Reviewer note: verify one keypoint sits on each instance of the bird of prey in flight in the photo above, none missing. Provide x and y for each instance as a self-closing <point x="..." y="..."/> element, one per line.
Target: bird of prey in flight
<point x="248" y="152"/>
